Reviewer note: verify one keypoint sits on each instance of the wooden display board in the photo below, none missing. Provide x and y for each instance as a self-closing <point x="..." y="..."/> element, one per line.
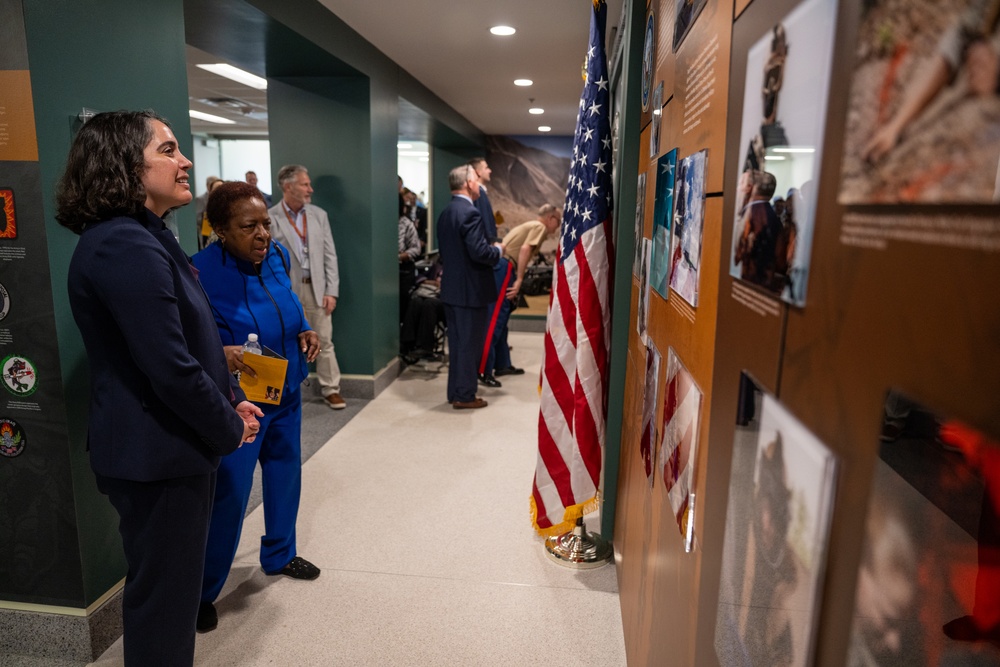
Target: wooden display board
<point x="899" y="297"/>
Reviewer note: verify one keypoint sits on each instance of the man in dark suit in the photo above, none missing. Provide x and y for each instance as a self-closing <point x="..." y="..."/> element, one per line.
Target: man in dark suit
<point x="467" y="284"/>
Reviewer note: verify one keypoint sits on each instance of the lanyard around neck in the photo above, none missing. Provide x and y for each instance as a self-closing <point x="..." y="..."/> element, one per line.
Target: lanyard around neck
<point x="303" y="235"/>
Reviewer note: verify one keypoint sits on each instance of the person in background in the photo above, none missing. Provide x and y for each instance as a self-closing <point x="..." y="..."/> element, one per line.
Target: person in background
<point x="521" y="245"/>
<point x="467" y="284"/>
<point x="409" y="252"/>
<point x="204" y="230"/>
<point x="246" y="278"/>
<point x="251" y="178"/>
<point x="305" y="230"/>
<point x="202" y="199"/>
<point x="163" y="406"/>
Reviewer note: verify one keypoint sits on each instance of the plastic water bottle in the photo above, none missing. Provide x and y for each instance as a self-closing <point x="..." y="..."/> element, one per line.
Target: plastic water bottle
<point x="252" y="345"/>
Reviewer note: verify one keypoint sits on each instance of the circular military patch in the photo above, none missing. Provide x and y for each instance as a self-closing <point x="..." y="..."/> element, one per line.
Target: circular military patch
<point x="12" y="438"/>
<point x="19" y="375"/>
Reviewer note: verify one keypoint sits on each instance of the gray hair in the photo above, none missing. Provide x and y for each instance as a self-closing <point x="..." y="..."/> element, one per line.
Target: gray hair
<point x="547" y="209"/>
<point x="458" y="176"/>
<point x="764" y="184"/>
<point x="289" y="173"/>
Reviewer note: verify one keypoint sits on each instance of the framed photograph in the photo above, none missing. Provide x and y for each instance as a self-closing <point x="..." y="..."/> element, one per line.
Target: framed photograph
<point x="643" y="314"/>
<point x="923" y="123"/>
<point x="682" y="400"/>
<point x="782" y="488"/>
<point x="647" y="441"/>
<point x="783" y="150"/>
<point x="648" y="59"/>
<point x="688" y="224"/>
<point x="927" y="581"/>
<point x="662" y="212"/>
<point x="686" y="13"/>
<point x="640" y="217"/>
<point x="654" y="134"/>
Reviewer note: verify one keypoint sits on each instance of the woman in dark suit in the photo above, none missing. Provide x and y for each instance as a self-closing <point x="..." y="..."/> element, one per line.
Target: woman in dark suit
<point x="164" y="407"/>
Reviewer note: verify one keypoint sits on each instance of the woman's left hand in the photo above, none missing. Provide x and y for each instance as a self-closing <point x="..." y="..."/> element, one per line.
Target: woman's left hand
<point x="309" y="344"/>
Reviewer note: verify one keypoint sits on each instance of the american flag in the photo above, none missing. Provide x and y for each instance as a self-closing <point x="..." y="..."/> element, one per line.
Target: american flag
<point x="571" y="420"/>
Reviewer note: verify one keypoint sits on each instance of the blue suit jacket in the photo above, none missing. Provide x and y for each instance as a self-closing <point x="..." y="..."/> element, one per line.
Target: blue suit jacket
<point x="466" y="255"/>
<point x="161" y="396"/>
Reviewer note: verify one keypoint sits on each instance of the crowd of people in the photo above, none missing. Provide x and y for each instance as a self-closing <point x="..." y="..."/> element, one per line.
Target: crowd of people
<point x="471" y="288"/>
<point x="172" y="436"/>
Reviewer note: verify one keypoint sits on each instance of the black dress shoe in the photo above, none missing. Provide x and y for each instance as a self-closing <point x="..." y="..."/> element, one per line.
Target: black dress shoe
<point x="208" y="618"/>
<point x="489" y="381"/>
<point x="298" y="568"/>
<point x="510" y="370"/>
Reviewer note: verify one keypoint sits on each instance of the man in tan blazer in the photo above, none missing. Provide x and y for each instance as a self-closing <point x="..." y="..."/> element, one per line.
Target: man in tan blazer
<point x="305" y="230"/>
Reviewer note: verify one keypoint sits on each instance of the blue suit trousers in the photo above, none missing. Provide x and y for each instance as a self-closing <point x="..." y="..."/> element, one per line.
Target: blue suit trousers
<point x="278" y="448"/>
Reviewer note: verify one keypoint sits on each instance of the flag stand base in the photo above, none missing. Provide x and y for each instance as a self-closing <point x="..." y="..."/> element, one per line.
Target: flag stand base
<point x="579" y="549"/>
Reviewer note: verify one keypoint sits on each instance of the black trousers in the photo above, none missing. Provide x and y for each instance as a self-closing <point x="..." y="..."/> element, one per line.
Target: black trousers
<point x="422" y="317"/>
<point x="164" y="529"/>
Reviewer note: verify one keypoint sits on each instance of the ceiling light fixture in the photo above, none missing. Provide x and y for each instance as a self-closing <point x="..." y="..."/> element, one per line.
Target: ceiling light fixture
<point x="502" y="30"/>
<point x="523" y="82"/>
<point x="403" y="146"/>
<point x="537" y="111"/>
<point x="544" y="128"/>
<point x="236" y="74"/>
<point x="775" y="157"/>
<point x="200" y="115"/>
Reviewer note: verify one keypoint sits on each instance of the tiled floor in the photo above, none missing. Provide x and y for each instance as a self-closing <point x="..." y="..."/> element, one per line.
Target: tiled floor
<point x="418" y="516"/>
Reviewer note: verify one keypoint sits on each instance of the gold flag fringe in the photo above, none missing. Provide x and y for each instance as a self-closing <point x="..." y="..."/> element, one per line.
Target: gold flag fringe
<point x="570" y="515"/>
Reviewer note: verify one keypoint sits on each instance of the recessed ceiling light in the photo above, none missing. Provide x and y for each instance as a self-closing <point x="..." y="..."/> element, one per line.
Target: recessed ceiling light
<point x="210" y="118"/>
<point x="544" y="128"/>
<point x="413" y="154"/>
<point x="536" y="111"/>
<point x="502" y="30"/>
<point x="404" y="146"/>
<point x="775" y="157"/>
<point x="523" y="82"/>
<point x="236" y="74"/>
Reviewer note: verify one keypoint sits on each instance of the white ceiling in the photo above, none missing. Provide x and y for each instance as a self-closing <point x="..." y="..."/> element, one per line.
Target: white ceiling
<point x="447" y="46"/>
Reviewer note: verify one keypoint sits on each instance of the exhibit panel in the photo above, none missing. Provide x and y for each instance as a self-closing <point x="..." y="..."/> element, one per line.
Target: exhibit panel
<point x="832" y="334"/>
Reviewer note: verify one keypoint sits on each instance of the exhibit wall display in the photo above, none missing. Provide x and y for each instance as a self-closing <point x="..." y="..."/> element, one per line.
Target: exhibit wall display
<point x="663" y="209"/>
<point x="776" y="539"/>
<point x="687" y="12"/>
<point x="648" y="440"/>
<point x="679" y="449"/>
<point x="929" y="559"/>
<point x="688" y="221"/>
<point x="924" y="119"/>
<point x="784" y="117"/>
<point x="640" y="213"/>
<point x="822" y="338"/>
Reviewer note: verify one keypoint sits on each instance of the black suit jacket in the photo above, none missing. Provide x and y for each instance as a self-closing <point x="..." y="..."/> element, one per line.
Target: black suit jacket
<point x="466" y="255"/>
<point x="162" y="398"/>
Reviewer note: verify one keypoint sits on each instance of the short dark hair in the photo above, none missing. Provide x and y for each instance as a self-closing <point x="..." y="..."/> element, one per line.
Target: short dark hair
<point x="224" y="199"/>
<point x="104" y="169"/>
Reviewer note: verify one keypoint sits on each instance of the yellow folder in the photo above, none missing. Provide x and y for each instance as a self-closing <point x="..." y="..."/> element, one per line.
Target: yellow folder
<point x="268" y="385"/>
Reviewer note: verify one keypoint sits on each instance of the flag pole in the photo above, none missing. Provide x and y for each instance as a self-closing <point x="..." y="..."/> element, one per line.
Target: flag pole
<point x="579" y="549"/>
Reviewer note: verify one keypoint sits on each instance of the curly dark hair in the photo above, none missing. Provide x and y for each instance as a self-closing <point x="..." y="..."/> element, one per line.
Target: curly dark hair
<point x="224" y="198"/>
<point x="104" y="169"/>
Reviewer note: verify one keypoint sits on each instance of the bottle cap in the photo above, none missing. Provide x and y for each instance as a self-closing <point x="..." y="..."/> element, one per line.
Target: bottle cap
<point x="252" y="338"/>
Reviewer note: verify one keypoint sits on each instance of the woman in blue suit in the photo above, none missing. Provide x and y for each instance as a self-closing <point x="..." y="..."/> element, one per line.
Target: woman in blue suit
<point x="245" y="275"/>
<point x="163" y="406"/>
